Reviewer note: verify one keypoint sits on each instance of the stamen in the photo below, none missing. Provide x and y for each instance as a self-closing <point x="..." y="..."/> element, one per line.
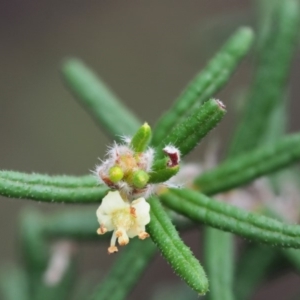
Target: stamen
<point x="119" y="233"/>
<point x="123" y="240"/>
<point x="101" y="229"/>
<point x="143" y="235"/>
<point x="112" y="249"/>
<point x="113" y="240"/>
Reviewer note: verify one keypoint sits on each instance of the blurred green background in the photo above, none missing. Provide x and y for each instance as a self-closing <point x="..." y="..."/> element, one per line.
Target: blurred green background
<point x="146" y="51"/>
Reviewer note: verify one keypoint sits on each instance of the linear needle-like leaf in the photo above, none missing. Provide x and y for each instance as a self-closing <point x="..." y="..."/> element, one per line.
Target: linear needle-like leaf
<point x="126" y="271"/>
<point x="246" y="167"/>
<point x="188" y="133"/>
<point x="51" y="193"/>
<point x="37" y="256"/>
<point x="34" y="249"/>
<point x="14" y="284"/>
<point x="99" y="100"/>
<point x="207" y="83"/>
<point x="249" y="278"/>
<point x="274" y="63"/>
<point x="78" y="225"/>
<point x="43" y="179"/>
<point x="141" y="138"/>
<point x="201" y="208"/>
<point x="179" y="256"/>
<point x="219" y="270"/>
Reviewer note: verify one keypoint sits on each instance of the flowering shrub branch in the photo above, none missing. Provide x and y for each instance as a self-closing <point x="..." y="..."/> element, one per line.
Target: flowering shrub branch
<point x="142" y="174"/>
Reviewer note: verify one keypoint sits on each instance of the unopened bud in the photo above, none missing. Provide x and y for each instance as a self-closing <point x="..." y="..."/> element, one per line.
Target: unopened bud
<point x="115" y="174"/>
<point x="141" y="139"/>
<point x="174" y="155"/>
<point x="140" y="179"/>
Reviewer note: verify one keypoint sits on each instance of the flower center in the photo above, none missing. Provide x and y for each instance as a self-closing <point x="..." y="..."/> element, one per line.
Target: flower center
<point x="124" y="218"/>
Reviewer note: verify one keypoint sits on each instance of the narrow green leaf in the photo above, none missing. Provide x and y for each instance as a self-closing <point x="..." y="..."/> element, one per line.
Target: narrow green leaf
<point x="247" y="281"/>
<point x="43" y="179"/>
<point x="188" y="133"/>
<point x="59" y="291"/>
<point x="269" y="84"/>
<point x="75" y="224"/>
<point x="126" y="271"/>
<point x="267" y="101"/>
<point x="179" y="256"/>
<point x="246" y="167"/>
<point x="276" y="125"/>
<point x="207" y="83"/>
<point x="141" y="138"/>
<point x="37" y="258"/>
<point x="51" y="193"/>
<point x="293" y="256"/>
<point x="219" y="267"/>
<point x="265" y="12"/>
<point x="201" y="208"/>
<point x="34" y="249"/>
<point x="249" y="278"/>
<point x="14" y="284"/>
<point x="99" y="100"/>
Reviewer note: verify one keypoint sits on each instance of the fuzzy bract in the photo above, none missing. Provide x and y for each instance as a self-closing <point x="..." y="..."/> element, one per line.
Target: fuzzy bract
<point x="121" y="158"/>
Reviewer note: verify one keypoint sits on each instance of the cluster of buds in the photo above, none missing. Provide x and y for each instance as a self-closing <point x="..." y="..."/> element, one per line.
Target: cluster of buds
<point x="126" y="170"/>
<point x="131" y="172"/>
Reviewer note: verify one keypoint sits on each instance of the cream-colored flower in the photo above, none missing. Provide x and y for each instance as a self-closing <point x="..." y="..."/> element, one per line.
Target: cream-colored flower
<point x="125" y="219"/>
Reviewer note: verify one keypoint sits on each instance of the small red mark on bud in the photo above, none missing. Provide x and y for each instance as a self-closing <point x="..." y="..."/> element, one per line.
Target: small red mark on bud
<point x="220" y="104"/>
<point x="174" y="155"/>
<point x="143" y="235"/>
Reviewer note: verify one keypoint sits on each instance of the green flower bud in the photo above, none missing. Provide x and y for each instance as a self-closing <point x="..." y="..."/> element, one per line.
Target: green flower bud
<point x="141" y="138"/>
<point x="115" y="174"/>
<point x="140" y="179"/>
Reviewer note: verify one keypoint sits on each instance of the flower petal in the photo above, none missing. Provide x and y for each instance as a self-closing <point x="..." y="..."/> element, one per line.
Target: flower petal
<point x="106" y="221"/>
<point x="111" y="202"/>
<point x="135" y="230"/>
<point x="142" y="209"/>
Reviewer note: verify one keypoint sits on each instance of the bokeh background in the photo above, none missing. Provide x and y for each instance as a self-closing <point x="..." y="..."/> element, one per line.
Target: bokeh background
<point x="146" y="51"/>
